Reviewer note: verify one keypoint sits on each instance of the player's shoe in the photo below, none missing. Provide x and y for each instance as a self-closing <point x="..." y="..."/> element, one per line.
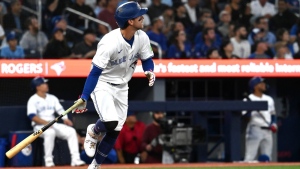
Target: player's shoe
<point x="77" y="162"/>
<point x="49" y="162"/>
<point x="90" y="142"/>
<point x="94" y="165"/>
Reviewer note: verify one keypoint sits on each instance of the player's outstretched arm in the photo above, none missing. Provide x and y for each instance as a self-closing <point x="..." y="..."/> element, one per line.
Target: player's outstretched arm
<point x="148" y="67"/>
<point x="89" y="86"/>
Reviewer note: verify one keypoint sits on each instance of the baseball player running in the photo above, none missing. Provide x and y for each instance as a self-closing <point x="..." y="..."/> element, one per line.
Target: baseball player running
<point x="41" y="108"/>
<point x="107" y="84"/>
<point x="262" y="123"/>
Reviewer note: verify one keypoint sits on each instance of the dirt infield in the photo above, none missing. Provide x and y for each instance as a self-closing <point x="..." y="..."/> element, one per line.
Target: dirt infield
<point x="185" y="165"/>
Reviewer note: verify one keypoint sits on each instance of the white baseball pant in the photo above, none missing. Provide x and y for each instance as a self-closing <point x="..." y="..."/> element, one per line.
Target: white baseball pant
<point x="63" y="132"/>
<point x="258" y="139"/>
<point x="111" y="102"/>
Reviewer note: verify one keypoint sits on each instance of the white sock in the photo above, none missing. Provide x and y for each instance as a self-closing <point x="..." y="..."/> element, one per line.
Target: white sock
<point x="94" y="162"/>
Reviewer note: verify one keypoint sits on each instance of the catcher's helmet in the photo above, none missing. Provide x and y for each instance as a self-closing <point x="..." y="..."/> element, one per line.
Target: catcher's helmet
<point x="37" y="81"/>
<point x="254" y="81"/>
<point x="128" y="10"/>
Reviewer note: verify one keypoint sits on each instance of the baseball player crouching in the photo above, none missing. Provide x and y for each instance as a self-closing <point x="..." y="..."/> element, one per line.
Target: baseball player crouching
<point x="41" y="108"/>
<point x="262" y="123"/>
<point x="107" y="83"/>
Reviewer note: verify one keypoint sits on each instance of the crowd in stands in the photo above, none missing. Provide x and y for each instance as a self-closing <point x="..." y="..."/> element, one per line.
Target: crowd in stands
<point x="215" y="29"/>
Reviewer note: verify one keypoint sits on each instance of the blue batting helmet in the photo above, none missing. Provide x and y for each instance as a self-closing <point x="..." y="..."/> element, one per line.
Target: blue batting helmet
<point x="37" y="81"/>
<point x="254" y="81"/>
<point x="128" y="10"/>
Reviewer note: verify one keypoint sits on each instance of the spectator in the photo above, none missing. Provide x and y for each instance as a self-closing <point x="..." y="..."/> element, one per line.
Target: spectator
<point x="293" y="5"/>
<point x="226" y="50"/>
<point x="282" y="52"/>
<point x="33" y="41"/>
<point x="294" y="31"/>
<point x="147" y="23"/>
<point x="177" y="26"/>
<point x="231" y="30"/>
<point x="180" y="14"/>
<point x="246" y="17"/>
<point x="212" y="5"/>
<point x="107" y="15"/>
<point x="57" y="47"/>
<point x="3" y="11"/>
<point x="241" y="47"/>
<point x="208" y="41"/>
<point x="60" y="22"/>
<point x="151" y="147"/>
<point x="224" y="24"/>
<point x="213" y="53"/>
<point x="2" y="34"/>
<point x="87" y="48"/>
<point x="205" y="20"/>
<point x="208" y="23"/>
<point x="76" y="20"/>
<point x="263" y="25"/>
<point x="100" y="5"/>
<point x="180" y="49"/>
<point x="129" y="142"/>
<point x="91" y="3"/>
<point x="260" y="51"/>
<point x="234" y="8"/>
<point x="280" y="19"/>
<point x="12" y="50"/>
<point x="15" y="19"/>
<point x="282" y="36"/>
<point x="262" y="8"/>
<point x="156" y="9"/>
<point x="54" y="8"/>
<point x="41" y="108"/>
<point x="193" y="13"/>
<point x="155" y="34"/>
<point x="168" y="18"/>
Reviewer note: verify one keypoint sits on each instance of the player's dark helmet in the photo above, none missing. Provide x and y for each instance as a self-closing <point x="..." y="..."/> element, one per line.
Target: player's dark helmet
<point x="128" y="10"/>
<point x="254" y="81"/>
<point x="37" y="81"/>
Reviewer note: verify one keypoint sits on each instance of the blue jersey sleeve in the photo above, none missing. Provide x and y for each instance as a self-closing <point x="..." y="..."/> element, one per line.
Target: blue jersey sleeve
<point x="91" y="82"/>
<point x="273" y="119"/>
<point x="148" y="65"/>
<point x="31" y="116"/>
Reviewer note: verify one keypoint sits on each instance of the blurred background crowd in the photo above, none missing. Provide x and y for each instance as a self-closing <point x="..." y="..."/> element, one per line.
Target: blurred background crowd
<point x="214" y="29"/>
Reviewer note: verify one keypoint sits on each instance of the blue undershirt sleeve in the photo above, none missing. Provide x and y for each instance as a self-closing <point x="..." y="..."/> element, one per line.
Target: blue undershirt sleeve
<point x="31" y="116"/>
<point x="91" y="82"/>
<point x="148" y="65"/>
<point x="273" y="119"/>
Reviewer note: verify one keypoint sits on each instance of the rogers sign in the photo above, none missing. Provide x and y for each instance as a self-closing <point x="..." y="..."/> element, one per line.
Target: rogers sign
<point x="21" y="68"/>
<point x="164" y="68"/>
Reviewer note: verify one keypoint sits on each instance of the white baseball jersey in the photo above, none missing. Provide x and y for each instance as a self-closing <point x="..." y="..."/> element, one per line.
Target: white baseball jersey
<point x="117" y="58"/>
<point x="44" y="108"/>
<point x="256" y="118"/>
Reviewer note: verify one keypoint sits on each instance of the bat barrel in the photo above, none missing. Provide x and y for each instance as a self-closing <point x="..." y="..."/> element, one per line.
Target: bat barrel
<point x="17" y="148"/>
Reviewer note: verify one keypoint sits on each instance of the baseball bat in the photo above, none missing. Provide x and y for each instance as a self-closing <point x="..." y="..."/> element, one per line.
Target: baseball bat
<point x="17" y="148"/>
